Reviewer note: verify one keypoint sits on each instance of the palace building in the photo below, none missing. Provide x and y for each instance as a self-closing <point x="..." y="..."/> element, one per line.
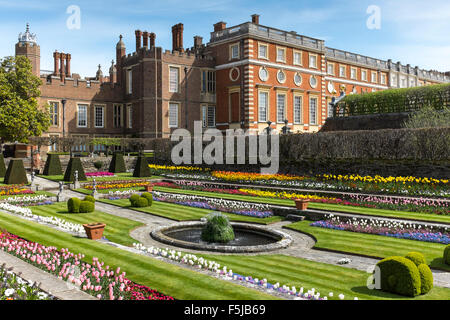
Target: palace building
<point x="245" y="77"/>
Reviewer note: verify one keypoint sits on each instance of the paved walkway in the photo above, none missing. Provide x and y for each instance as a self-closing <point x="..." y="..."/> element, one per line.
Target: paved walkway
<point x="302" y="246"/>
<point x="49" y="283"/>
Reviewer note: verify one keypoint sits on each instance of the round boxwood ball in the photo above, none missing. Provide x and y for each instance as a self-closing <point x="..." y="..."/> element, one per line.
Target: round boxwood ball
<point x="142" y="202"/>
<point x="417" y="258"/>
<point x="399" y="275"/>
<point x="89" y="198"/>
<point x="87" y="207"/>
<point x="133" y="199"/>
<point x="217" y="229"/>
<point x="426" y="278"/>
<point x="73" y="205"/>
<point x="447" y="254"/>
<point x="149" y="197"/>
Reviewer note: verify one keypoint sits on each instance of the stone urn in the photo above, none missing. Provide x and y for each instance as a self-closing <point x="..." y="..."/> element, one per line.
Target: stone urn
<point x="302" y="204"/>
<point x="149" y="188"/>
<point x="94" y="231"/>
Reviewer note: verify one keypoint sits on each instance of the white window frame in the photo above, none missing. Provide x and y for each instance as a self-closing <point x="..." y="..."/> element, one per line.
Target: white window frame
<point x="266" y="107"/>
<point x="355" y="77"/>
<point x="313" y="66"/>
<point x="259" y="74"/>
<point x="103" y="108"/>
<point x="313" y="121"/>
<point x="117" y="116"/>
<point x="129" y="81"/>
<point x="86" y="106"/>
<point x="299" y="119"/>
<point x="298" y="84"/>
<point x="284" y="74"/>
<point x="266" y="57"/>
<point x="284" y="106"/>
<point x="233" y="45"/>
<point x="52" y="113"/>
<point x="383" y="78"/>
<point x="130" y="116"/>
<point x="300" y="53"/>
<point x="310" y="81"/>
<point x="173" y="82"/>
<point x="342" y="67"/>
<point x="172" y="123"/>
<point x="331" y="64"/>
<point x="374" y="77"/>
<point x="283" y="60"/>
<point x="364" y="78"/>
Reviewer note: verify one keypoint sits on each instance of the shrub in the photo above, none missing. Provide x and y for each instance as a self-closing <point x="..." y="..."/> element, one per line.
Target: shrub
<point x="52" y="165"/>
<point x="16" y="173"/>
<point x="447" y="254"/>
<point x="426" y="278"/>
<point x="2" y="166"/>
<point x="133" y="199"/>
<point x="149" y="197"/>
<point x="399" y="275"/>
<point x="87" y="206"/>
<point x="73" y="205"/>
<point x="217" y="229"/>
<point x="142" y="202"/>
<point x="89" y="198"/>
<point x="428" y="117"/>
<point x="141" y="169"/>
<point x="117" y="164"/>
<point x="98" y="165"/>
<point x="417" y="258"/>
<point x="74" y="165"/>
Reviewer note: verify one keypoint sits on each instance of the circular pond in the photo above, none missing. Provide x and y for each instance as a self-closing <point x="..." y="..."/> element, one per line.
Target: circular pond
<point x="248" y="238"/>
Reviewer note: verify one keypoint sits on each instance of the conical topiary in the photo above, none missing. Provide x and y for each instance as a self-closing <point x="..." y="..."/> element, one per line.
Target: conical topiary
<point x="52" y="165"/>
<point x="16" y="173"/>
<point x="141" y="169"/>
<point x="117" y="164"/>
<point x="74" y="164"/>
<point x="2" y="166"/>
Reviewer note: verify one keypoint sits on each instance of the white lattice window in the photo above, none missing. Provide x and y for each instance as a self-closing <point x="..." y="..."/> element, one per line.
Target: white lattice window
<point x="173" y="79"/>
<point x="298" y="101"/>
<point x="263" y="105"/>
<point x="99" y="116"/>
<point x="82" y="116"/>
<point x="313" y="110"/>
<point x="173" y="115"/>
<point x="281" y="107"/>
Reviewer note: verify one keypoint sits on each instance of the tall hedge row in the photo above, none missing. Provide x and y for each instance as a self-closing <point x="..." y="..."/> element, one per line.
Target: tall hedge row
<point x="395" y="100"/>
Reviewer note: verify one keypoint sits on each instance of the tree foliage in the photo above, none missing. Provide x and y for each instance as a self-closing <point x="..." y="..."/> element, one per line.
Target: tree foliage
<point x="20" y="114"/>
<point x="429" y="117"/>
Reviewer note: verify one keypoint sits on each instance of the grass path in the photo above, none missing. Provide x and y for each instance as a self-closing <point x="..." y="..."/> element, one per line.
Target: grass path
<point x="371" y="245"/>
<point x="117" y="229"/>
<point x="164" y="277"/>
<point x="333" y="207"/>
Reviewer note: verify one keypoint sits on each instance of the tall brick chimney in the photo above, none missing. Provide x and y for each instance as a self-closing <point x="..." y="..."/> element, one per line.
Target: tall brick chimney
<point x="56" y="57"/>
<point x="219" y="26"/>
<point x="198" y="41"/>
<point x="138" y="34"/>
<point x="62" y="69"/>
<point x="68" y="58"/>
<point x="145" y="39"/>
<point x="255" y="18"/>
<point x="177" y="37"/>
<point x="152" y="40"/>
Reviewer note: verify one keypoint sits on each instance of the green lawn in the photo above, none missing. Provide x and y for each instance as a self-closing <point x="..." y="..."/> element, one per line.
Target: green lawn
<point x="164" y="277"/>
<point x="323" y="277"/>
<point x="371" y="245"/>
<point x="320" y="206"/>
<point x="184" y="213"/>
<point x="117" y="229"/>
<point x="119" y="176"/>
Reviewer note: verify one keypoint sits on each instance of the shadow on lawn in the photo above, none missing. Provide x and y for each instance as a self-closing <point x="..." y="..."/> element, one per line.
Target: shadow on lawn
<point x="377" y="293"/>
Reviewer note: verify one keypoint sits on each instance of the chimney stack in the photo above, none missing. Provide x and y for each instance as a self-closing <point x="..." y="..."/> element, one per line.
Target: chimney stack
<point x="68" y="58"/>
<point x="62" y="67"/>
<point x="219" y="26"/>
<point x="255" y="18"/>
<point x="56" y="57"/>
<point x="145" y="39"/>
<point x="198" y="41"/>
<point x="177" y="37"/>
<point x="138" y="34"/>
<point x="152" y="40"/>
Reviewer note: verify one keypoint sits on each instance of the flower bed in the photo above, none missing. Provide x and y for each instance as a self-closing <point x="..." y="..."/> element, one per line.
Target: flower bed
<point x="28" y="200"/>
<point x="387" y="228"/>
<point x="95" y="279"/>
<point x="159" y="169"/>
<point x="99" y="174"/>
<point x="14" y="190"/>
<point x="13" y="287"/>
<point x="105" y="185"/>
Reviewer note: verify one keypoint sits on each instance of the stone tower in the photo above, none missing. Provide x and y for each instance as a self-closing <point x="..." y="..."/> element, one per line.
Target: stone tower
<point x="28" y="47"/>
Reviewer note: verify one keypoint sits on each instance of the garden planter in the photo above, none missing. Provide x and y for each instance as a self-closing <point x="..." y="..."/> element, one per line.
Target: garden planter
<point x="302" y="204"/>
<point x="149" y="188"/>
<point x="94" y="231"/>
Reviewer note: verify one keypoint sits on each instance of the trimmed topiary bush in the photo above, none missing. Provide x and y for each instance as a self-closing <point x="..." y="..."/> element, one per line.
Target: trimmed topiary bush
<point x="447" y="254"/>
<point x="73" y="205"/>
<point x="149" y="197"/>
<point x="399" y="275"/>
<point x="16" y="173"/>
<point x="2" y="165"/>
<point x="74" y="164"/>
<point x="426" y="278"/>
<point x="89" y="198"/>
<point x="98" y="165"/>
<point x="142" y="202"/>
<point x="87" y="207"/>
<point x="217" y="229"/>
<point x="417" y="258"/>
<point x="117" y="164"/>
<point x="141" y="169"/>
<point x="52" y="165"/>
<point x="133" y="200"/>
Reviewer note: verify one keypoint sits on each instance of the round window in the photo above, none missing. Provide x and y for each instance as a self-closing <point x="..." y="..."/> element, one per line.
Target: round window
<point x="313" y="81"/>
<point x="263" y="74"/>
<point x="281" y="76"/>
<point x="234" y="74"/>
<point x="298" y="79"/>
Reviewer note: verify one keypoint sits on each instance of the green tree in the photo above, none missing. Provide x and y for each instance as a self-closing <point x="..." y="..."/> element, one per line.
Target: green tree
<point x="429" y="117"/>
<point x="20" y="115"/>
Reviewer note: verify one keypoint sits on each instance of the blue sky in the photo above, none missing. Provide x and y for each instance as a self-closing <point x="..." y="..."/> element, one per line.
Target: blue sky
<point x="412" y="31"/>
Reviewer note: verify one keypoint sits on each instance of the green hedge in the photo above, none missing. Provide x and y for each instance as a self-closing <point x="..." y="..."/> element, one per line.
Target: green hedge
<point x="87" y="206"/>
<point x="52" y="165"/>
<point x="447" y="254"/>
<point x="149" y="197"/>
<point x="74" y="164"/>
<point x="117" y="164"/>
<point x="89" y="198"/>
<point x="395" y="100"/>
<point x="399" y="275"/>
<point x="139" y="202"/>
<point x="141" y="169"/>
<point x="426" y="278"/>
<point x="73" y="205"/>
<point x="2" y="166"/>
<point x="16" y="173"/>
<point x="417" y="258"/>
